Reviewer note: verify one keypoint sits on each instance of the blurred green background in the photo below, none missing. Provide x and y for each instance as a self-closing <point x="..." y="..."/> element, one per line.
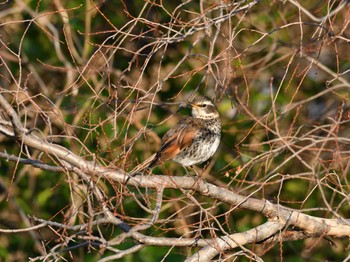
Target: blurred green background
<point x="102" y="78"/>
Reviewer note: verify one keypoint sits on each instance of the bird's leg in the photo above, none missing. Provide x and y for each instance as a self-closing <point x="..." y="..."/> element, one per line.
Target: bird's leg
<point x="186" y="171"/>
<point x="192" y="168"/>
<point x="195" y="171"/>
<point x="198" y="174"/>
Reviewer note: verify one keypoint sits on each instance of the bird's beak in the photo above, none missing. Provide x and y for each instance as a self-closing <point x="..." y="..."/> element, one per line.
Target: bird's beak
<point x="186" y="105"/>
<point x="190" y="104"/>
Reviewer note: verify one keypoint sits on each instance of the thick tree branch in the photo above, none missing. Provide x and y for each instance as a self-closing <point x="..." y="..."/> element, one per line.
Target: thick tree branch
<point x="280" y="217"/>
<point x="221" y="244"/>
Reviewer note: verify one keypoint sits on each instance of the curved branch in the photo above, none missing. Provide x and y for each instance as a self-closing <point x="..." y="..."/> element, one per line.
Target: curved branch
<point x="280" y="216"/>
<point x="221" y="244"/>
<point x="32" y="162"/>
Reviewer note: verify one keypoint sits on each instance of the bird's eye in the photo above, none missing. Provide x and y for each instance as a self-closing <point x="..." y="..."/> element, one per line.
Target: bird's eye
<point x="204" y="105"/>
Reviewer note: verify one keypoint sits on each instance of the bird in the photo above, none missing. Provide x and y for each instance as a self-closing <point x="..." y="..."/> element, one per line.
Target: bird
<point x="194" y="139"/>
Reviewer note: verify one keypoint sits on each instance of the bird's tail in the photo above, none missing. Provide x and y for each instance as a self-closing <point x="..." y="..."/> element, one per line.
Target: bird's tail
<point x="147" y="164"/>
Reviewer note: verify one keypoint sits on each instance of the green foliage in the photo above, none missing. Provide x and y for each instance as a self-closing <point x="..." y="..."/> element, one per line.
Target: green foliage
<point x="99" y="78"/>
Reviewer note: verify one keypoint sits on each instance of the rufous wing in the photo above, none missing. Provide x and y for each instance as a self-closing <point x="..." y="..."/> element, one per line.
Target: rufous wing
<point x="173" y="142"/>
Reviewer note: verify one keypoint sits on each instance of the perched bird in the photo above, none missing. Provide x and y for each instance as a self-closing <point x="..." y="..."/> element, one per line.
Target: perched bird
<point x="194" y="139"/>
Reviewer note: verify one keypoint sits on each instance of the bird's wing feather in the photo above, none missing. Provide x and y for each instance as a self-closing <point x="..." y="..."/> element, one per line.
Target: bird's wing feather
<point x="174" y="144"/>
<point x="175" y="140"/>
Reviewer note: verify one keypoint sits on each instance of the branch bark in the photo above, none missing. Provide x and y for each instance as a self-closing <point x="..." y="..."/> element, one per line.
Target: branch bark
<point x="280" y="217"/>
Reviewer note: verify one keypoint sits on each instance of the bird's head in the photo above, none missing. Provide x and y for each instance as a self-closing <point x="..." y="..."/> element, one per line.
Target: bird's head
<point x="203" y="107"/>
